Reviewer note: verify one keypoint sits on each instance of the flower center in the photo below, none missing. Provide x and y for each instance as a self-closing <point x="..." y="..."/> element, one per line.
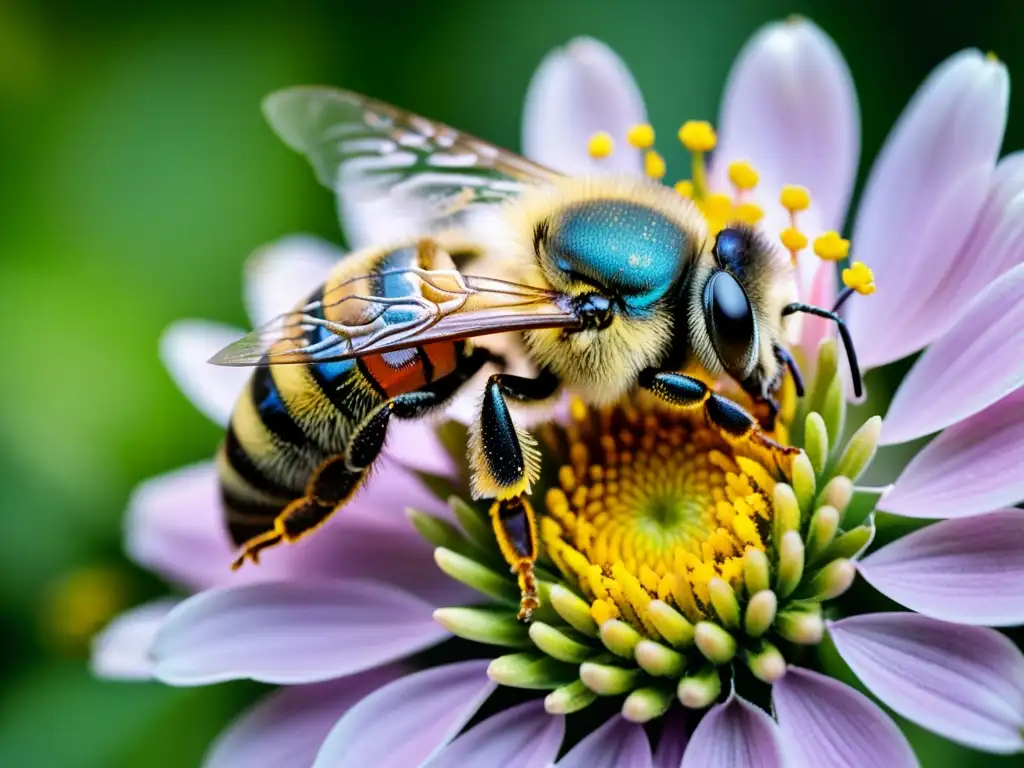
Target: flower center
<point x="653" y="505"/>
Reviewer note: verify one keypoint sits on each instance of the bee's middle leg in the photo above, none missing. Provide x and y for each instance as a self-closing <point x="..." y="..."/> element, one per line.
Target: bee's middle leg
<point x="505" y="463"/>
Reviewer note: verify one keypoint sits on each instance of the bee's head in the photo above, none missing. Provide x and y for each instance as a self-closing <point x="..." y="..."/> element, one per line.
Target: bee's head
<point x="735" y="306"/>
<point x="619" y="260"/>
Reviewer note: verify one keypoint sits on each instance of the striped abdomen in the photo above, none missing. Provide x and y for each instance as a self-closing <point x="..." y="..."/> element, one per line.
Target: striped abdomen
<point x="291" y="418"/>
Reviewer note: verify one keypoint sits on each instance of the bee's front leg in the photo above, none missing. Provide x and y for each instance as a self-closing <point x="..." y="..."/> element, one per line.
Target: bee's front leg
<point x="505" y="463"/>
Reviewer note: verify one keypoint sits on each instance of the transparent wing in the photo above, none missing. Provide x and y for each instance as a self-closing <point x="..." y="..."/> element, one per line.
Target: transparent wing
<point x="345" y="323"/>
<point x="405" y="168"/>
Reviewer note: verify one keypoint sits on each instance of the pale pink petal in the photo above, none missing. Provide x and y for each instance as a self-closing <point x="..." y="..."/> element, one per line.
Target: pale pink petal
<point x="673" y="739"/>
<point x="813" y="330"/>
<point x="735" y="734"/>
<point x="825" y="722"/>
<point x="978" y="362"/>
<point x="185" y="349"/>
<point x="289" y="632"/>
<point x="790" y="108"/>
<point x="972" y="467"/>
<point x="281" y="274"/>
<point x="616" y="743"/>
<point x="407" y="722"/>
<point x="921" y="200"/>
<point x="287" y="727"/>
<point x="964" y="683"/>
<point x="121" y="650"/>
<point x="970" y="571"/>
<point x="995" y="245"/>
<point x="524" y="736"/>
<point x="577" y="91"/>
<point x="415" y="445"/>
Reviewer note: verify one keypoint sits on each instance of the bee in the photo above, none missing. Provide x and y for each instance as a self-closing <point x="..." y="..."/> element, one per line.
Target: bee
<point x="613" y="285"/>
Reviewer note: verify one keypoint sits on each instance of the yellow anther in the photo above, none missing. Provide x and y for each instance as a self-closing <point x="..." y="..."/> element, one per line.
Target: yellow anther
<point x="749" y="213"/>
<point x="601" y="145"/>
<point x="718" y="206"/>
<point x="860" y="278"/>
<point x="991" y="56"/>
<point x="795" y="198"/>
<point x="793" y="239"/>
<point x="640" y="136"/>
<point x="742" y="174"/>
<point x="698" y="136"/>
<point x="685" y="188"/>
<point x="654" y="165"/>
<point x="831" y="247"/>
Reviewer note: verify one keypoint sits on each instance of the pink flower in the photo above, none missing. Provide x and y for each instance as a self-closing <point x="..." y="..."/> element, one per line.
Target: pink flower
<point x="333" y="617"/>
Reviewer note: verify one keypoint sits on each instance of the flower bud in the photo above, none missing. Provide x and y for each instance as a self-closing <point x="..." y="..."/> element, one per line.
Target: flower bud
<point x="557" y="644"/>
<point x="569" y="698"/>
<point x="607" y="680"/>
<point x="717" y="645"/>
<point x="646" y="704"/>
<point x="659" y="660"/>
<point x="699" y="689"/>
<point x="574" y="610"/>
<point x="670" y="623"/>
<point x="791" y="564"/>
<point x="760" y="613"/>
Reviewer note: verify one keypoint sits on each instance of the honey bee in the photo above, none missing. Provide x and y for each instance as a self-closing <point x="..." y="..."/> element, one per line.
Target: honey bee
<point x="613" y="285"/>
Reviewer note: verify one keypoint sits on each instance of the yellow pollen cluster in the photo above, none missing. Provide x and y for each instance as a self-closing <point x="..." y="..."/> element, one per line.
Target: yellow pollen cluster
<point x="653" y="505"/>
<point x="859" y="277"/>
<point x="831" y="247"/>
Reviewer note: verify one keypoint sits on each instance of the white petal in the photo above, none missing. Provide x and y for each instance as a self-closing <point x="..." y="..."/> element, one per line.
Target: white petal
<point x="921" y="200"/>
<point x="790" y="108"/>
<point x="121" y="650"/>
<point x="977" y="363"/>
<point x="185" y="348"/>
<point x="577" y="91"/>
<point x="407" y="722"/>
<point x="279" y="275"/>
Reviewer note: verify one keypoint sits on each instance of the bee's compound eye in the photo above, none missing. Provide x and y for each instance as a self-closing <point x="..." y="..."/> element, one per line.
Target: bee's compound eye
<point x="729" y="245"/>
<point x="730" y="322"/>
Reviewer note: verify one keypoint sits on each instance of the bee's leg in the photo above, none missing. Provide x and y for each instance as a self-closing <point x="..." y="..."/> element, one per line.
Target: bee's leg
<point x="505" y="463"/>
<point x="731" y="420"/>
<point x="368" y="439"/>
<point x="332" y="485"/>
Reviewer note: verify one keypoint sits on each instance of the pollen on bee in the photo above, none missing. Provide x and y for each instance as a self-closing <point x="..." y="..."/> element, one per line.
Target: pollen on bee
<point x="601" y="145"/>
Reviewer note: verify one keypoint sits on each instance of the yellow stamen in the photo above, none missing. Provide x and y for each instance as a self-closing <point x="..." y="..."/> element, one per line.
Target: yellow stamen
<point x="685" y="188"/>
<point x="742" y="175"/>
<point x="601" y="145"/>
<point x="654" y="165"/>
<point x="749" y="213"/>
<point x="794" y="240"/>
<point x="640" y="136"/>
<point x="699" y="138"/>
<point x="831" y="247"/>
<point x="795" y="198"/>
<point x="656" y="508"/>
<point x="991" y="56"/>
<point x="860" y="278"/>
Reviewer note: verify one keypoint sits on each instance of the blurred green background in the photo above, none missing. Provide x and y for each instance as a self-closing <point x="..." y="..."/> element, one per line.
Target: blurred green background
<point x="136" y="174"/>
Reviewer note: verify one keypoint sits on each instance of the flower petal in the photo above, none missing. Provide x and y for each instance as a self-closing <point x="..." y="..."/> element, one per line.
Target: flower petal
<point x="921" y="200"/>
<point x="790" y="108"/>
<point x="185" y="348"/>
<point x="618" y="742"/>
<point x="121" y="650"/>
<point x="288" y="726"/>
<point x="415" y="444"/>
<point x="673" y="739"/>
<point x="964" y="683"/>
<point x="525" y="736"/>
<point x="577" y="91"/>
<point x="825" y="722"/>
<point x="972" y="467"/>
<point x="406" y="722"/>
<point x="978" y="362"/>
<point x="288" y="632"/>
<point x="279" y="275"/>
<point x="995" y="245"/>
<point x="735" y="734"/>
<point x="970" y="571"/>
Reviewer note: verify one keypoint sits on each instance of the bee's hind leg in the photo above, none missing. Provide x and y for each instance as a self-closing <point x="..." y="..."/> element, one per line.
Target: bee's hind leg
<point x="727" y="417"/>
<point x="332" y="485"/>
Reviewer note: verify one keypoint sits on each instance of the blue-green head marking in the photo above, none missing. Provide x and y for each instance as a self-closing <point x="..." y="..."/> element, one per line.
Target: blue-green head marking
<point x="626" y="250"/>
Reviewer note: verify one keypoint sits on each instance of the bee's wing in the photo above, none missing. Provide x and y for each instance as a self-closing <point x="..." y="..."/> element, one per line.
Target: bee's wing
<point x="344" y="324"/>
<point x="411" y="174"/>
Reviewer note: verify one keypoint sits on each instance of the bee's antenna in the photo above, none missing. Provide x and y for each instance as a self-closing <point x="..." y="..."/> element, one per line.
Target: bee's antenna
<point x="851" y="354"/>
<point x="842" y="297"/>
<point x="794" y="369"/>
